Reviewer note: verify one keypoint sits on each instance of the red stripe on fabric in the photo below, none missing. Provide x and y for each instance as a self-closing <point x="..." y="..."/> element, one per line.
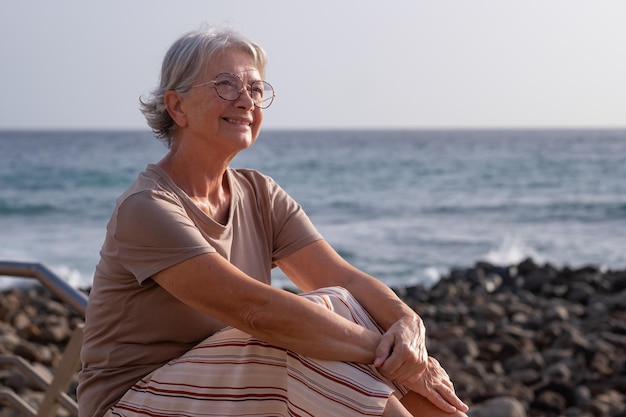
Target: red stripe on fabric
<point x="151" y="412"/>
<point x="180" y="391"/>
<point x="320" y="371"/>
<point x="234" y="342"/>
<point x="336" y="397"/>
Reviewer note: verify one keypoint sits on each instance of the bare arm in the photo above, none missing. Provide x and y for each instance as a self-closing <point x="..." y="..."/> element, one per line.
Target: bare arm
<point x="318" y="265"/>
<point x="402" y="353"/>
<point x="209" y="283"/>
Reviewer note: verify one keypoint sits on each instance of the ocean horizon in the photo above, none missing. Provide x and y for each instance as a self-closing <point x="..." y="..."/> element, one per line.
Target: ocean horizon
<point x="406" y="206"/>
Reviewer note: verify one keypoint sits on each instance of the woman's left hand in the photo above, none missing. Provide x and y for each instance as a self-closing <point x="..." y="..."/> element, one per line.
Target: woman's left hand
<point x="401" y="354"/>
<point x="435" y="386"/>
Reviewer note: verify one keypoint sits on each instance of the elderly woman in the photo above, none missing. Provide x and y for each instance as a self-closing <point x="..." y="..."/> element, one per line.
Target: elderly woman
<point x="182" y="319"/>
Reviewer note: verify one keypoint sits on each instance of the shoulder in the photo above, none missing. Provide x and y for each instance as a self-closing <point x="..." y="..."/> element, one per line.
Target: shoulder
<point x="150" y="192"/>
<point x="253" y="185"/>
<point x="150" y="184"/>
<point x="251" y="179"/>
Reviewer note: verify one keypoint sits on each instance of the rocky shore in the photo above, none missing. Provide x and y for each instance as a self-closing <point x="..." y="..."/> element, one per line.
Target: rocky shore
<point x="523" y="340"/>
<point x="530" y="339"/>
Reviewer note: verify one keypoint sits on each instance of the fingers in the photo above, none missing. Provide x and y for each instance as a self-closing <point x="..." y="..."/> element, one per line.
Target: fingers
<point x="446" y="400"/>
<point x="422" y="406"/>
<point x="402" y="363"/>
<point x="402" y="357"/>
<point x="435" y="385"/>
<point x="441" y="397"/>
<point x="384" y="349"/>
<point x="446" y="397"/>
<point x="401" y="354"/>
<point x="441" y="403"/>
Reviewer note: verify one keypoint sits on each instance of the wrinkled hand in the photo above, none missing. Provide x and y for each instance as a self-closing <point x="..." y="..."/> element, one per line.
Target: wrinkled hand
<point x="402" y="357"/>
<point x="401" y="354"/>
<point x="435" y="385"/>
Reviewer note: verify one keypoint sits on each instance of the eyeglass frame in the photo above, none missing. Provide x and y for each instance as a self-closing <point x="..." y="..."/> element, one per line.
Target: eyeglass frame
<point x="245" y="86"/>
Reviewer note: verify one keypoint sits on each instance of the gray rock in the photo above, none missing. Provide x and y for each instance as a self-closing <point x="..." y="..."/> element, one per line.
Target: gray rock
<point x="579" y="292"/>
<point x="556" y="312"/>
<point x="498" y="407"/>
<point x="550" y="401"/>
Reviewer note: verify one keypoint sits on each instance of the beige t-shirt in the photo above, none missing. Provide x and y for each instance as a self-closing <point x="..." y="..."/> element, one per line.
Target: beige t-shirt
<point x="133" y="326"/>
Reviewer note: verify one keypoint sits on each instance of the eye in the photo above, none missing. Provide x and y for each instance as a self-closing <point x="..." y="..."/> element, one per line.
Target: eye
<point x="226" y="83"/>
<point x="257" y="90"/>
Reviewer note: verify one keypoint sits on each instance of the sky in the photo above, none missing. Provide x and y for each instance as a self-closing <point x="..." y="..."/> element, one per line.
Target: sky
<point x="356" y="64"/>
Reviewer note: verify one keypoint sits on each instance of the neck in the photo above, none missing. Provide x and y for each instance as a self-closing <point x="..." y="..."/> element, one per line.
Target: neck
<point x="202" y="178"/>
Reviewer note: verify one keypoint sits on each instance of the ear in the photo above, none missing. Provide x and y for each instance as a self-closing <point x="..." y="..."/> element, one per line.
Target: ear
<point x="173" y="104"/>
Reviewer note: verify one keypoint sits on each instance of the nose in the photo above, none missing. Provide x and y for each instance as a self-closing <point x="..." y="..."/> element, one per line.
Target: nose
<point x="245" y="98"/>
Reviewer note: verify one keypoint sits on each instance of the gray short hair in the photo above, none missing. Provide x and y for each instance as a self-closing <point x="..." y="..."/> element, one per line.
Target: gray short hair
<point x="182" y="65"/>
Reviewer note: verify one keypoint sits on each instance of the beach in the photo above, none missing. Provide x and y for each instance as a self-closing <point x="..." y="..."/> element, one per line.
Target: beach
<point x="528" y="339"/>
<point x="508" y="243"/>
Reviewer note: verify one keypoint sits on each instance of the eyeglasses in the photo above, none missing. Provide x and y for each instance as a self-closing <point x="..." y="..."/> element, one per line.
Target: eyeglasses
<point x="229" y="87"/>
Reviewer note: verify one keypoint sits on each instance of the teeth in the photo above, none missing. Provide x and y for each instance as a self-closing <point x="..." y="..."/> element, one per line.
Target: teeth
<point x="239" y="122"/>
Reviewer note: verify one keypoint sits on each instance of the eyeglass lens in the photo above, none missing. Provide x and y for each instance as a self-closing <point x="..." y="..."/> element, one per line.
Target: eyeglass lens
<point x="229" y="87"/>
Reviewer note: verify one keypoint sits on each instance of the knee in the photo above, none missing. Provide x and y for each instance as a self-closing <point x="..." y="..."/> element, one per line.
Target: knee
<point x="336" y="299"/>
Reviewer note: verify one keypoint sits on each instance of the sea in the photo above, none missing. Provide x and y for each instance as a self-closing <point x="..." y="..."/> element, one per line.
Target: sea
<point x="406" y="206"/>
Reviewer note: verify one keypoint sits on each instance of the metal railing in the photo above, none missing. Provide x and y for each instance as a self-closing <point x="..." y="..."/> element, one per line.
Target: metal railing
<point x="55" y="388"/>
<point x="74" y="298"/>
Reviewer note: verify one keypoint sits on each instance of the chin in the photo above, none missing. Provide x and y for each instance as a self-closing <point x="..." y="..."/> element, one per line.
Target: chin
<point x="245" y="141"/>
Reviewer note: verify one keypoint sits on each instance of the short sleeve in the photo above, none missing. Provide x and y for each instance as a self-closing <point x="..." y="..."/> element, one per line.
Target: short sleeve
<point x="292" y="227"/>
<point x="153" y="232"/>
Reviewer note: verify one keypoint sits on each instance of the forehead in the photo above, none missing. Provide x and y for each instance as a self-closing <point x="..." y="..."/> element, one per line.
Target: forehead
<point x="237" y="62"/>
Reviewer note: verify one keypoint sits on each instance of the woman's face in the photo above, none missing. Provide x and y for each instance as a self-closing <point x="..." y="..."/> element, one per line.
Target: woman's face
<point x="232" y="125"/>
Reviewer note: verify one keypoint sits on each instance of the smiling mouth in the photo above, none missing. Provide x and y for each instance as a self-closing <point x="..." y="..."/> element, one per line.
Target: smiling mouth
<point x="238" y="121"/>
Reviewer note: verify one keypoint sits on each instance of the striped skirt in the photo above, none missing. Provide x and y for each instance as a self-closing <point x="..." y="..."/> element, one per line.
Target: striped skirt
<point x="234" y="374"/>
